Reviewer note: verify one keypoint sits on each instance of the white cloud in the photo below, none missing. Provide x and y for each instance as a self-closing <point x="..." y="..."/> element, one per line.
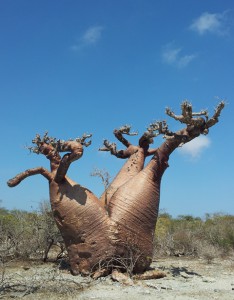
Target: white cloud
<point x="210" y="23"/>
<point x="172" y="55"/>
<point x="185" y="60"/>
<point x="195" y="147"/>
<point x="90" y="37"/>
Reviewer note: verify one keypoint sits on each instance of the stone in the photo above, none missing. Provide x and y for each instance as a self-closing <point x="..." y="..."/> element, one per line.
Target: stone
<point x="121" y="278"/>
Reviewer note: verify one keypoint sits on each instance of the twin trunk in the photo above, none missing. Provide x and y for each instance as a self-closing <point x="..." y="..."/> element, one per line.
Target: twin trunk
<point x="132" y="166"/>
<point x="134" y="209"/>
<point x="92" y="237"/>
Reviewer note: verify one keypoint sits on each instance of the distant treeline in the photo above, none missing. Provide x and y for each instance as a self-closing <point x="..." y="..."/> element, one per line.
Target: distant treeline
<point x="210" y="237"/>
<point x="28" y="235"/>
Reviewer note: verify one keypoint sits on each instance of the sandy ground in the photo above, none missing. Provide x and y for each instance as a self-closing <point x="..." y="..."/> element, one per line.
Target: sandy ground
<point x="186" y="279"/>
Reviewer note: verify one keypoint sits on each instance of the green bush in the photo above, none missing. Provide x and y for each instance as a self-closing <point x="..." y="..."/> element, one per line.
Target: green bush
<point x="187" y="235"/>
<point x="26" y="234"/>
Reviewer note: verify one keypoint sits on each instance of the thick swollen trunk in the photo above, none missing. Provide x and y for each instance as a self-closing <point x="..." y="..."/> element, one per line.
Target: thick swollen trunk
<point x="93" y="238"/>
<point x="84" y="225"/>
<point x="132" y="166"/>
<point x="134" y="208"/>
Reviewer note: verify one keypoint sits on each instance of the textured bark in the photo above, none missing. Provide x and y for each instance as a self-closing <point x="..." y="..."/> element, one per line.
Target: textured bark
<point x="134" y="208"/>
<point x="132" y="166"/>
<point x="83" y="223"/>
<point x="135" y="155"/>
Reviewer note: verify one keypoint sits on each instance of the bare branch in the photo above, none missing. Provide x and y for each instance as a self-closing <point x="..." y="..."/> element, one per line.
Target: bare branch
<point x="109" y="147"/>
<point x="105" y="177"/>
<point x="159" y="127"/>
<point x="82" y="140"/>
<point x="76" y="151"/>
<point x="201" y="113"/>
<point x="38" y="141"/>
<point x="147" y="138"/>
<point x="154" y="129"/>
<point x="124" y="130"/>
<point x="48" y="144"/>
<point x="51" y="147"/>
<point x="48" y="147"/>
<point x="197" y="123"/>
<point x="187" y="115"/>
<point x="123" y="154"/>
<point x="30" y="172"/>
<point x="103" y="174"/>
<point x="215" y="118"/>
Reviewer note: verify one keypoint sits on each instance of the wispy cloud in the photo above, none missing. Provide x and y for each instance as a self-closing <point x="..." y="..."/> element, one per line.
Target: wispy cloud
<point x="210" y="23"/>
<point x="90" y="37"/>
<point x="173" y="56"/>
<point x="195" y="147"/>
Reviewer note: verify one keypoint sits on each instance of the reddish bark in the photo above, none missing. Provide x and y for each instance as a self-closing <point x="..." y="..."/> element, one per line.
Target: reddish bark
<point x="134" y="206"/>
<point x="135" y="155"/>
<point x="83" y="224"/>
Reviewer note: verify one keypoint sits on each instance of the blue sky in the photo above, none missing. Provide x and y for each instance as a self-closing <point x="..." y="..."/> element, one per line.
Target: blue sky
<point x="70" y="67"/>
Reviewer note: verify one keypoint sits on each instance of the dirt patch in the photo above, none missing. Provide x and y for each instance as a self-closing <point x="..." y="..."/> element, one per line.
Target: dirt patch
<point x="186" y="279"/>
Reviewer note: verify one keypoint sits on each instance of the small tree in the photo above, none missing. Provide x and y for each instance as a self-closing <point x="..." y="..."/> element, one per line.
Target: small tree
<point x="105" y="178"/>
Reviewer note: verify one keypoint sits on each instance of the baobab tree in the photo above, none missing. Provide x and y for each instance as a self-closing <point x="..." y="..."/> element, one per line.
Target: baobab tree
<point x="122" y="223"/>
<point x="82" y="221"/>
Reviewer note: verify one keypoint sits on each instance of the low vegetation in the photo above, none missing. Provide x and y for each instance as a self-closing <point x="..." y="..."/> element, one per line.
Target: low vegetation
<point x="27" y="235"/>
<point x="31" y="235"/>
<point x="208" y="238"/>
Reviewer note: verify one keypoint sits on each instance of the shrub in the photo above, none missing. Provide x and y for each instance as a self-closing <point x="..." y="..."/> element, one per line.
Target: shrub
<point x="18" y="227"/>
<point x="186" y="235"/>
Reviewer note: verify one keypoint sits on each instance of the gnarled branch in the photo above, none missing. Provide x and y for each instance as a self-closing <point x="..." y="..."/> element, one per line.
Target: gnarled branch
<point x="197" y="123"/>
<point x="154" y="129"/>
<point x="30" y="172"/>
<point x="215" y="118"/>
<point x="187" y="115"/>
<point x="144" y="141"/>
<point x="147" y="138"/>
<point x="124" y="130"/>
<point x="111" y="147"/>
<point x="82" y="140"/>
<point x="75" y="147"/>
<point x="47" y="146"/>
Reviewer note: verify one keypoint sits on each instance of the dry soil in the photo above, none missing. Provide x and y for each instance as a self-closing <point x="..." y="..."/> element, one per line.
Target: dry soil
<point x="186" y="279"/>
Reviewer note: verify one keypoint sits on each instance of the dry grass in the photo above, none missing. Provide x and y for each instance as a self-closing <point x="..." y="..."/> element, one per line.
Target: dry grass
<point x="18" y="279"/>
